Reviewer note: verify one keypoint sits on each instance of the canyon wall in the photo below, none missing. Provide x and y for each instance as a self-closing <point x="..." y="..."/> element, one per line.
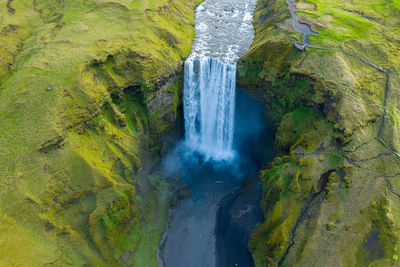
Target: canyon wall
<point x="88" y="90"/>
<point x="331" y="196"/>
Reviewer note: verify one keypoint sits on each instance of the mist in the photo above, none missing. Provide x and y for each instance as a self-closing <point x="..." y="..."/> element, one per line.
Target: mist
<point x="252" y="143"/>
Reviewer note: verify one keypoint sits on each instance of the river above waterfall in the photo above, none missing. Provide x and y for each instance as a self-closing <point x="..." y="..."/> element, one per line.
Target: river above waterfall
<point x="224" y="29"/>
<point x="223" y="33"/>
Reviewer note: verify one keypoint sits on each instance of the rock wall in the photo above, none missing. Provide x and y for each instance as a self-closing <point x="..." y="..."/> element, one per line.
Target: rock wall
<point x="331" y="197"/>
<point x="88" y="90"/>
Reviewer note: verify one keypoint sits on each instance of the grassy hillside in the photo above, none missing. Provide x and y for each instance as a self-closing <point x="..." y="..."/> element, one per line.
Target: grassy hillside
<point x="87" y="89"/>
<point x="331" y="198"/>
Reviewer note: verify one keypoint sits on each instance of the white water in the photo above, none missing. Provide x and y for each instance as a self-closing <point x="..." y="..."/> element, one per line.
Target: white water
<point x="223" y="34"/>
<point x="209" y="104"/>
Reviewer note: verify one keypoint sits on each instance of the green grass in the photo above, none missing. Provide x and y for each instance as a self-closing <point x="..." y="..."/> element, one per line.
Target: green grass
<point x="87" y="52"/>
<point x="346" y="20"/>
<point x="330" y="105"/>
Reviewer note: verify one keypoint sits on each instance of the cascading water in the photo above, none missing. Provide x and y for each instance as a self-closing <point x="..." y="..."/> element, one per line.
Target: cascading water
<point x="209" y="106"/>
<point x="223" y="33"/>
<point x="208" y="229"/>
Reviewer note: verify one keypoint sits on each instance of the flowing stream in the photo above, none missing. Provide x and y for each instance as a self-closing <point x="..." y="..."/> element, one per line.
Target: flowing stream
<point x="226" y="142"/>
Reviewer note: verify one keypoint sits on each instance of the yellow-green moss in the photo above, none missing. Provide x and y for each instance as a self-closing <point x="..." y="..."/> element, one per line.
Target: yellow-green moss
<point x="327" y="107"/>
<point x="76" y="78"/>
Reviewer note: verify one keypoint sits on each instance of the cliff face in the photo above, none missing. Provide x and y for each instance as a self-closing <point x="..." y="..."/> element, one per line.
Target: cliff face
<point x="88" y="89"/>
<point x="331" y="197"/>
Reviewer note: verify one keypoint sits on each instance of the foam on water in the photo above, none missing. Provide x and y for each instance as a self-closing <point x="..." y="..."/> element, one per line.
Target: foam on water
<point x="224" y="32"/>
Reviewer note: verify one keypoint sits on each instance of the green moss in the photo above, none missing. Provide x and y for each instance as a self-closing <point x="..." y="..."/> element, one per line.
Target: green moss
<point x="72" y="192"/>
<point x="335" y="160"/>
<point x="297" y="128"/>
<point x="327" y="107"/>
<point x="380" y="242"/>
<point x="271" y="238"/>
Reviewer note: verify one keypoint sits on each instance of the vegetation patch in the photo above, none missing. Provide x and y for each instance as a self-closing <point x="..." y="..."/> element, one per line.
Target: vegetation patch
<point x="327" y="106"/>
<point x="82" y="108"/>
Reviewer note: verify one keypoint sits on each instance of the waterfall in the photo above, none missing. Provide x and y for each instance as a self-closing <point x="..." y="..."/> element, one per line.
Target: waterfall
<point x="209" y="106"/>
<point x="223" y="33"/>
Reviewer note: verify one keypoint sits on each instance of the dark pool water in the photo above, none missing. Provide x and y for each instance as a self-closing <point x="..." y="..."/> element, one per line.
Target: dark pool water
<point x="213" y="226"/>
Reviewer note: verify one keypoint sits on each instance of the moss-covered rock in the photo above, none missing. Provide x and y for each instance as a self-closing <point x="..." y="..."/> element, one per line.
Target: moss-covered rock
<point x="87" y="91"/>
<point x="327" y="107"/>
